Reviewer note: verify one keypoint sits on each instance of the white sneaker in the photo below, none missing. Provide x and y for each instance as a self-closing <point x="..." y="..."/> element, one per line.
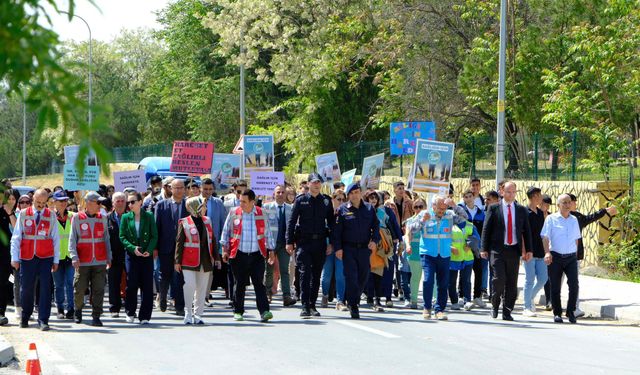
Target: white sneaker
<point x="468" y="306"/>
<point x="130" y="319"/>
<point x="578" y="313"/>
<point x="479" y="302"/>
<point x="529" y="313"/>
<point x="188" y="319"/>
<point x="455" y="306"/>
<point x="18" y="313"/>
<point x="407" y="304"/>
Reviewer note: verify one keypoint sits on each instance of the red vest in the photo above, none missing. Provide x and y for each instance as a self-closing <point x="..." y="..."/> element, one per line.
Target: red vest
<point x="234" y="242"/>
<point x="36" y="240"/>
<point x="191" y="253"/>
<point x="90" y="244"/>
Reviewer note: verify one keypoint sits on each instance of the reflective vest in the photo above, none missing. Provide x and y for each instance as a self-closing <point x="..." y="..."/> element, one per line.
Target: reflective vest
<point x="64" y="236"/>
<point x="191" y="253"/>
<point x="36" y="240"/>
<point x="459" y="241"/>
<point x="435" y="238"/>
<point x="234" y="242"/>
<point x="90" y="244"/>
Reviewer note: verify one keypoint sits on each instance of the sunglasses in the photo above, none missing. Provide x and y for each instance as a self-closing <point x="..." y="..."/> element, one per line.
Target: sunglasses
<point x="129" y="203"/>
<point x="418" y="207"/>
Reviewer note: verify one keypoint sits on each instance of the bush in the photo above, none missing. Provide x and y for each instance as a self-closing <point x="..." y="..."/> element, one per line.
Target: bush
<point x="623" y="258"/>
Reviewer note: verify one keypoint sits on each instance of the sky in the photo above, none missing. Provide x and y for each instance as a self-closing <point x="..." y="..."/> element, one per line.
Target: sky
<point x="107" y="21"/>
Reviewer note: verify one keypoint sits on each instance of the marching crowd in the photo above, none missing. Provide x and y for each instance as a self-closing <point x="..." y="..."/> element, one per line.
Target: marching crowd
<point x="180" y="241"/>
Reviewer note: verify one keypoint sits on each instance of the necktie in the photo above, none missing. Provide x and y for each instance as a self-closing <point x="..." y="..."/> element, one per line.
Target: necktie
<point x="281" y="225"/>
<point x="509" y="226"/>
<point x="37" y="218"/>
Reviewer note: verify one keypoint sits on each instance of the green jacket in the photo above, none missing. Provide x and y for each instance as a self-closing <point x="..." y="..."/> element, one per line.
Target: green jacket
<point x="64" y="236"/>
<point x="146" y="239"/>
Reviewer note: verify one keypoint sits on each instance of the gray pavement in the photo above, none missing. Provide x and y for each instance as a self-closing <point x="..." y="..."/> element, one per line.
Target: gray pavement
<point x="396" y="341"/>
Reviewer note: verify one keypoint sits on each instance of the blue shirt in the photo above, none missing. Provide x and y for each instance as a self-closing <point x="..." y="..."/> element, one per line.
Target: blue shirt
<point x="217" y="213"/>
<point x="562" y="233"/>
<point x="355" y="225"/>
<point x="249" y="233"/>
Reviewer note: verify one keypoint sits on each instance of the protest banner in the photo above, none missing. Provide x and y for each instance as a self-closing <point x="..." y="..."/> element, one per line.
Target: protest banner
<point x="191" y="157"/>
<point x="225" y="170"/>
<point x="72" y="181"/>
<point x="372" y="171"/>
<point x="328" y="167"/>
<point x="130" y="179"/>
<point x="71" y="155"/>
<point x="348" y="176"/>
<point x="263" y="183"/>
<point x="403" y="135"/>
<point x="258" y="153"/>
<point x="431" y="170"/>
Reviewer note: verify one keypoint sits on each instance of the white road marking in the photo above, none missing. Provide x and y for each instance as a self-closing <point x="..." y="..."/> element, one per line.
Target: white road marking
<point x="368" y="329"/>
<point x="46" y="351"/>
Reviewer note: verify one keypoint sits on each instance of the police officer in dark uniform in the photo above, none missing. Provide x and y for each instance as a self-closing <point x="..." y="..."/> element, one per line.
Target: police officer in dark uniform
<point x="309" y="228"/>
<point x="355" y="235"/>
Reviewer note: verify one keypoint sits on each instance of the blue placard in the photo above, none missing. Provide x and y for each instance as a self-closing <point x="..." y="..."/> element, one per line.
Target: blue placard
<point x="89" y="181"/>
<point x="403" y="135"/>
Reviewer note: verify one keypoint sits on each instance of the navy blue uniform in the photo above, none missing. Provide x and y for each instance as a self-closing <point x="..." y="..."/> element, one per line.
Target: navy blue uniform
<point x="354" y="229"/>
<point x="309" y="227"/>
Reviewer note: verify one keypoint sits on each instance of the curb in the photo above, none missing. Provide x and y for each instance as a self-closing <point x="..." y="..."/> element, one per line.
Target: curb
<point x="6" y="351"/>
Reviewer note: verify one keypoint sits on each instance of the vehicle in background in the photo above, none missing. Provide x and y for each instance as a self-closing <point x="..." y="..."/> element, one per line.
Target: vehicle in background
<point x="159" y="165"/>
<point x="23" y="190"/>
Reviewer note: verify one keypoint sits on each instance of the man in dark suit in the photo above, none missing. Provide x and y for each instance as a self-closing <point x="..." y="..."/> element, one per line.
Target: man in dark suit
<point x="117" y="252"/>
<point x="168" y="213"/>
<point x="506" y="235"/>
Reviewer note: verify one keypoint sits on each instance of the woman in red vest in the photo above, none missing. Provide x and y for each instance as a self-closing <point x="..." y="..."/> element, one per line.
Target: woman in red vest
<point x="196" y="255"/>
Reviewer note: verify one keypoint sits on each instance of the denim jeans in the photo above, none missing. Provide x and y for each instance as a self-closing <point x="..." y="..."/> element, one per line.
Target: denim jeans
<point x="333" y="267"/>
<point x="435" y="269"/>
<point x="465" y="281"/>
<point x="63" y="282"/>
<point x="534" y="270"/>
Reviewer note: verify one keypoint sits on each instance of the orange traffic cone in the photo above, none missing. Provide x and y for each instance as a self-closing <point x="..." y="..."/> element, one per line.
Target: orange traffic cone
<point x="33" y="362"/>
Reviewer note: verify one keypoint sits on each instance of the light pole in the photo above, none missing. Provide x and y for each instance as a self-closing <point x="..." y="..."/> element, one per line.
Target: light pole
<point x="501" y="102"/>
<point x="90" y="119"/>
<point x="24" y="141"/>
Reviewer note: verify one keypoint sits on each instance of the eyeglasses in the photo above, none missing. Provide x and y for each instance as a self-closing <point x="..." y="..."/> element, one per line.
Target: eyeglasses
<point x="418" y="207"/>
<point x="129" y="203"/>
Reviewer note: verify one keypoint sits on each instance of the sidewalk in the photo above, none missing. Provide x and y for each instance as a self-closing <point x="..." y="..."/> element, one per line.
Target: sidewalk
<point x="601" y="298"/>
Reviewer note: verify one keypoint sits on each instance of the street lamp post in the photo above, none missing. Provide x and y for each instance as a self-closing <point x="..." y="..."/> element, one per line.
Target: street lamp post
<point x="501" y="102"/>
<point x="90" y="119"/>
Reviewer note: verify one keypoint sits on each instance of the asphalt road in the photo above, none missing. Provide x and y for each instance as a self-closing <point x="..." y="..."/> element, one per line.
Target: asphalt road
<point x="396" y="341"/>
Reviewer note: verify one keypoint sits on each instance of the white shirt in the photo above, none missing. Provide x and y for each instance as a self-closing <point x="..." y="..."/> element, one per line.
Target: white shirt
<point x="562" y="233"/>
<point x="478" y="201"/>
<point x="505" y="214"/>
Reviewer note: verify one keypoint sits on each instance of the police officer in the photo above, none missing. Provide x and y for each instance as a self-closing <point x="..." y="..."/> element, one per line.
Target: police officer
<point x="355" y="234"/>
<point x="309" y="227"/>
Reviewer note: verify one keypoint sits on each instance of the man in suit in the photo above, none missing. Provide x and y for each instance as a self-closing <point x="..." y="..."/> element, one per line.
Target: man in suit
<point x="278" y="214"/>
<point x="168" y="213"/>
<point x="217" y="214"/>
<point x="117" y="253"/>
<point x="505" y="228"/>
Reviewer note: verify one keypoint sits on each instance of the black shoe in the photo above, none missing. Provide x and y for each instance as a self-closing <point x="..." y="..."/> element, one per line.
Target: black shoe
<point x="24" y="323"/>
<point x="230" y="305"/>
<point x="180" y="312"/>
<point x="557" y="319"/>
<point x="572" y="318"/>
<point x="314" y="312"/>
<point x="355" y="312"/>
<point x="494" y="313"/>
<point x="288" y="301"/>
<point x="3" y="320"/>
<point x="77" y="317"/>
<point x="507" y="317"/>
<point x="305" y="313"/>
<point x="43" y="326"/>
<point x="96" y="322"/>
<point x="163" y="305"/>
<point x="69" y="314"/>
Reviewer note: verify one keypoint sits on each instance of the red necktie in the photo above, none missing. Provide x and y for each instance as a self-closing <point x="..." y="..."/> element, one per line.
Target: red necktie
<point x="509" y="226"/>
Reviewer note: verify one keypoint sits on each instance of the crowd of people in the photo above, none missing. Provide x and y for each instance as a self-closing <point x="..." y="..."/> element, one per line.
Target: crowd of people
<point x="181" y="242"/>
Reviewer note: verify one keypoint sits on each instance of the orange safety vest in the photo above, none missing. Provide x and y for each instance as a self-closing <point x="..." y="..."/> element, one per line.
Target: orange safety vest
<point x="91" y="244"/>
<point x="234" y="242"/>
<point x="36" y="239"/>
<point x="191" y="253"/>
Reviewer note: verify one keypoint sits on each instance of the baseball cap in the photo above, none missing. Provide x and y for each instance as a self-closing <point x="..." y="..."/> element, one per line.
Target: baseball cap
<point x="60" y="195"/>
<point x="92" y="196"/>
